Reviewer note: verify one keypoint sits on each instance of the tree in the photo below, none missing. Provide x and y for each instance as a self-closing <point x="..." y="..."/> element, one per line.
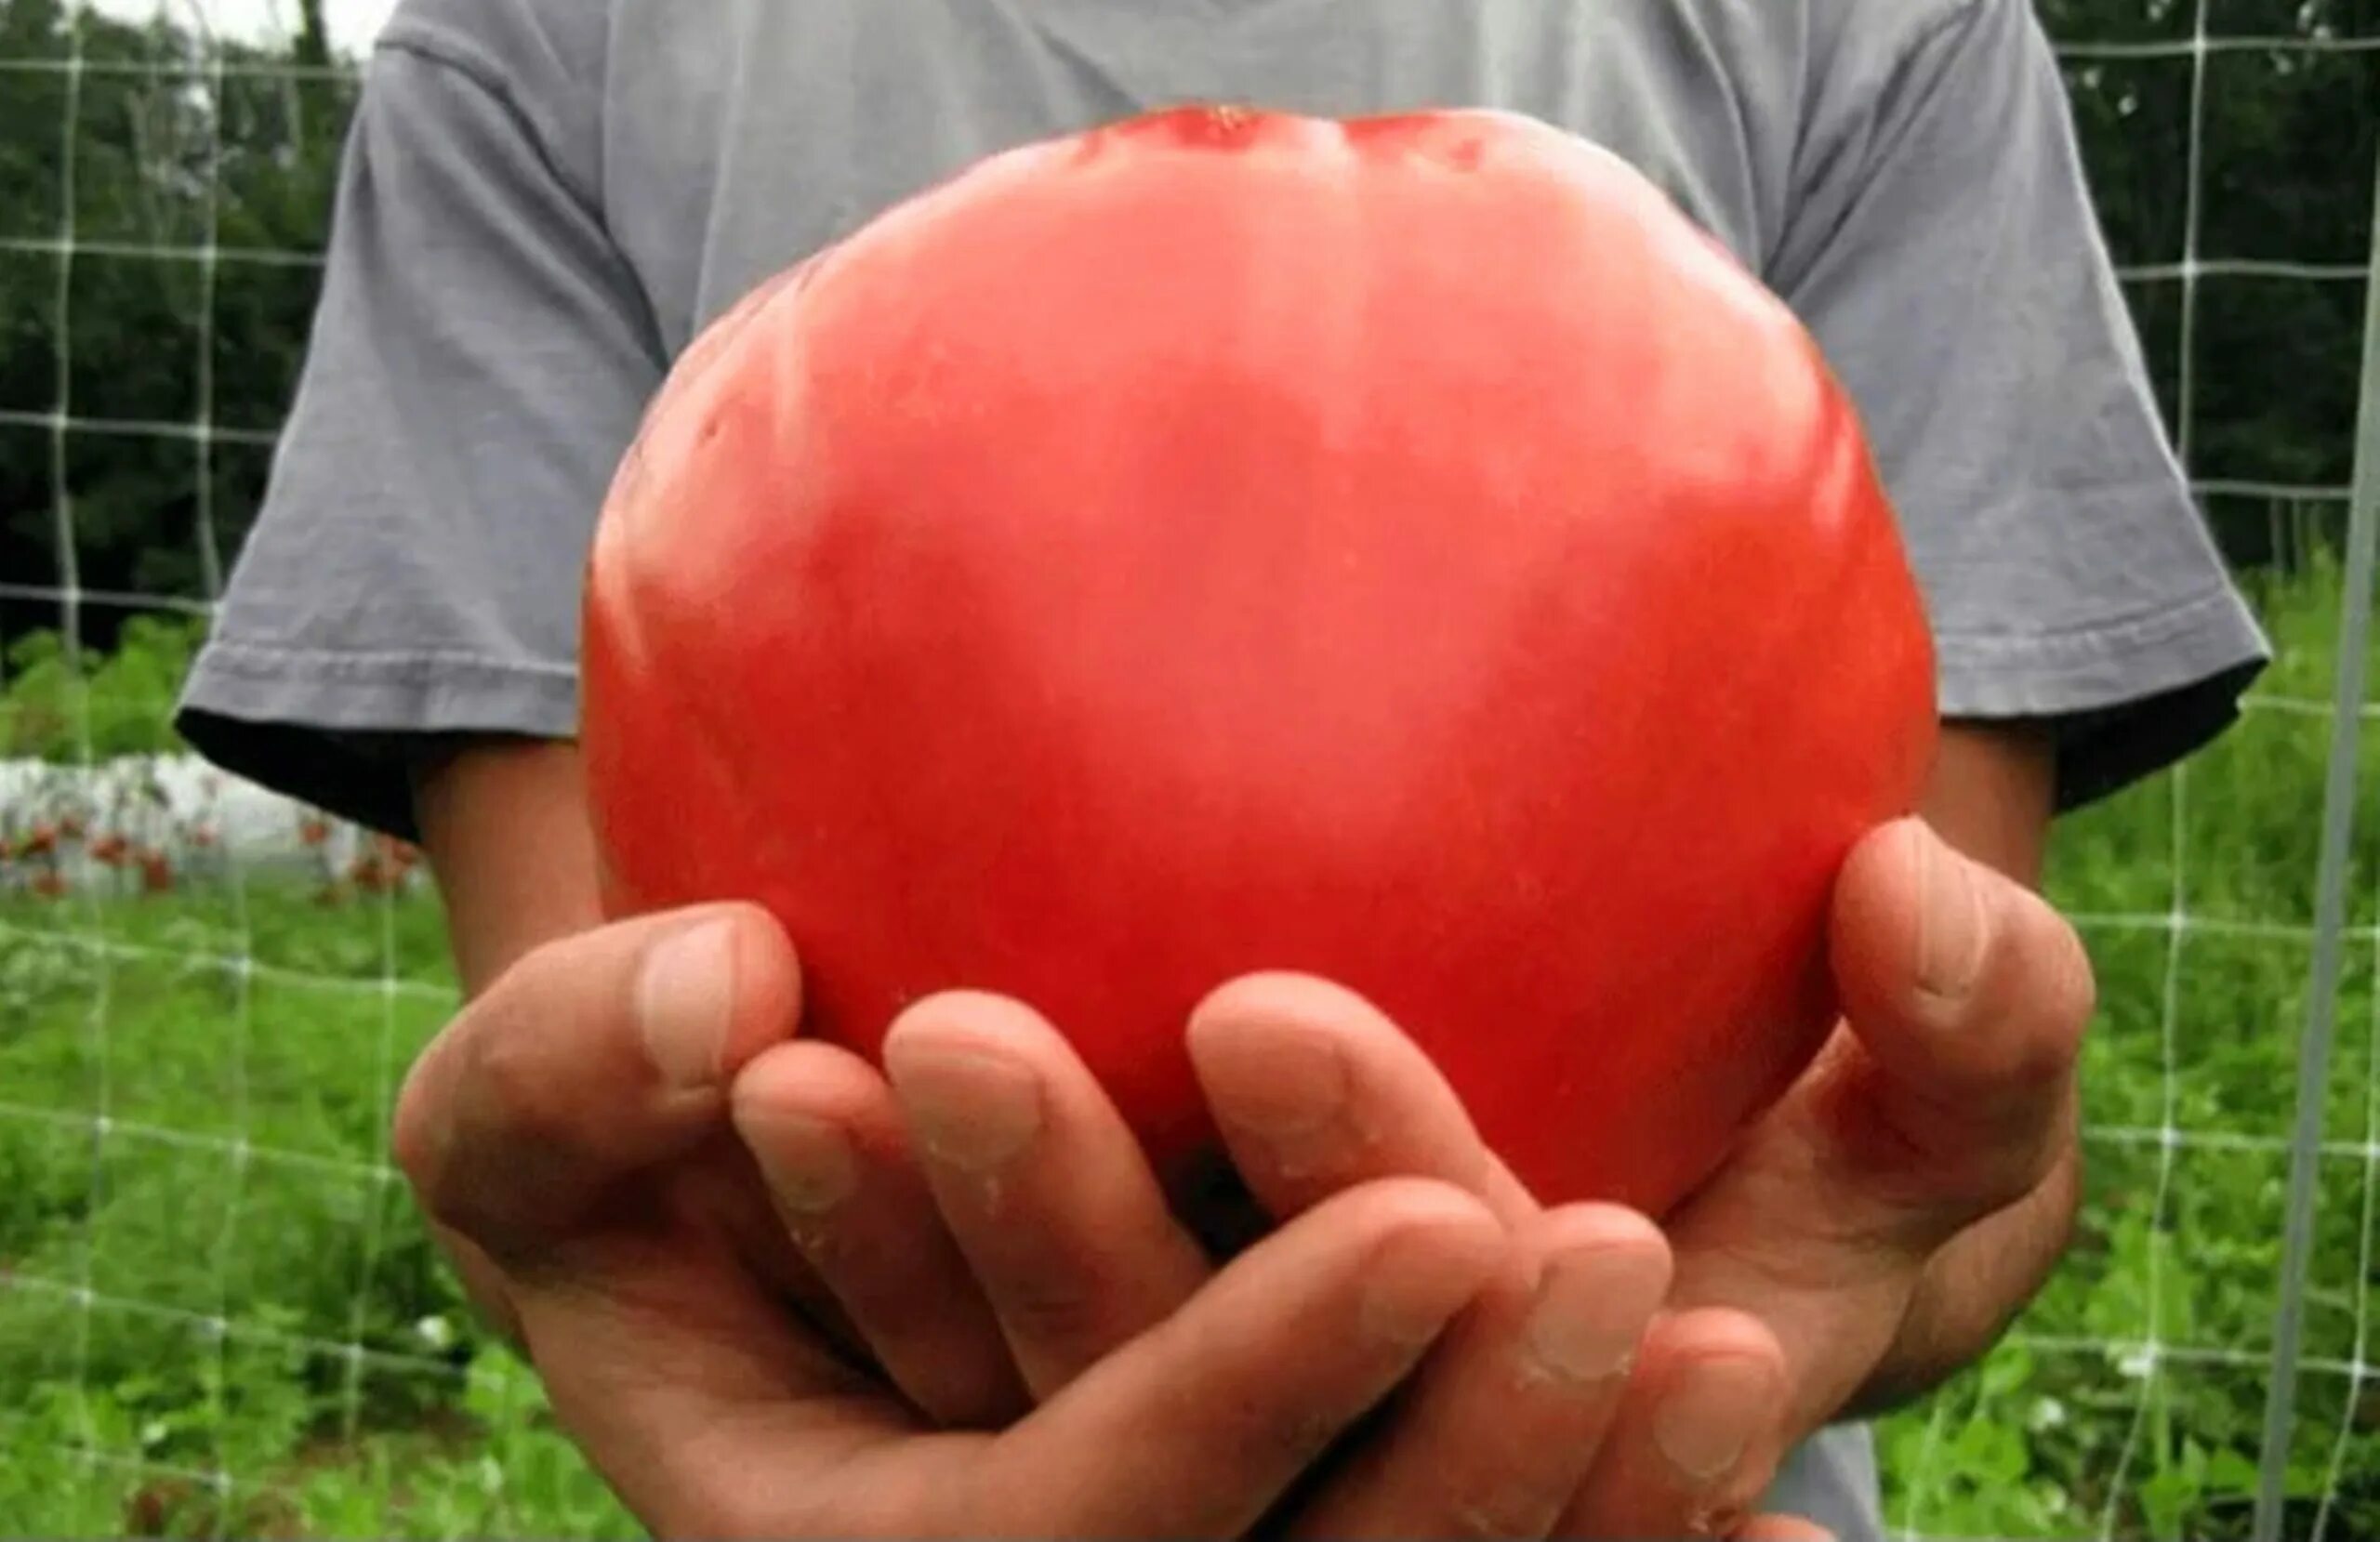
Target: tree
<point x="111" y="312"/>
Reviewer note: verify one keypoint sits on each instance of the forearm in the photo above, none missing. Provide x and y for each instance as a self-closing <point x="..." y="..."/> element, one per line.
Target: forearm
<point x="504" y="825"/>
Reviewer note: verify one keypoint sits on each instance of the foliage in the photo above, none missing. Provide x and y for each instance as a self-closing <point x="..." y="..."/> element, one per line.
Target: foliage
<point x="133" y="327"/>
<point x="74" y="710"/>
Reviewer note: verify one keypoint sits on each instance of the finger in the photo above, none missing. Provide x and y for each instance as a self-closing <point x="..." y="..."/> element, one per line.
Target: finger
<point x="1039" y="1180"/>
<point x="821" y="1127"/>
<point x="1781" y="1528"/>
<point x="1203" y="1423"/>
<point x="592" y="1059"/>
<point x="1697" y="1437"/>
<point x="1501" y="1425"/>
<point x="1968" y="996"/>
<point x="1315" y="1090"/>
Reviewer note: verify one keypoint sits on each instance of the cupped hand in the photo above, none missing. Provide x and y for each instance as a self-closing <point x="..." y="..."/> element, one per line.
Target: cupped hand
<point x="986" y="1130"/>
<point x="1792" y="1287"/>
<point x="928" y="1320"/>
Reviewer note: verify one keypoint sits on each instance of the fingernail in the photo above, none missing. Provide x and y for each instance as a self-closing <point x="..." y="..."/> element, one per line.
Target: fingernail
<point x="1707" y="1420"/>
<point x="1949" y="920"/>
<point x="807" y="1163"/>
<point x="972" y="1110"/>
<point x="1411" y="1291"/>
<point x="1293" y="1109"/>
<point x="685" y="996"/>
<point x="1592" y="1310"/>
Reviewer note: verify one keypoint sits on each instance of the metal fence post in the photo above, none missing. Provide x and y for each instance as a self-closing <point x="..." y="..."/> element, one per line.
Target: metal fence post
<point x="2330" y="920"/>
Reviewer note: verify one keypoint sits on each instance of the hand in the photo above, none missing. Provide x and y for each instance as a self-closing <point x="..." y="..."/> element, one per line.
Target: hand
<point x="568" y="1134"/>
<point x="1799" y="1268"/>
<point x="1895" y="1209"/>
<point x="988" y="1136"/>
<point x="571" y="1125"/>
<point x="1889" y="1217"/>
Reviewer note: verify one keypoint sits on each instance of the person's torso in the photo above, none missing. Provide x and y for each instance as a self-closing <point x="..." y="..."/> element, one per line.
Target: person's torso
<point x="738" y="135"/>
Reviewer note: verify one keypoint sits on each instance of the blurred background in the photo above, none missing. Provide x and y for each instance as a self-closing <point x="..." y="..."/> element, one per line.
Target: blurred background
<point x="218" y="1313"/>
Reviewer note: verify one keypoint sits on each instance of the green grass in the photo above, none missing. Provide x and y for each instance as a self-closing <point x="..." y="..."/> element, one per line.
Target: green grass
<point x="273" y="1313"/>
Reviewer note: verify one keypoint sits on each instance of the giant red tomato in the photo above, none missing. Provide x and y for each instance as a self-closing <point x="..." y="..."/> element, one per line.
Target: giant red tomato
<point x="1406" y="550"/>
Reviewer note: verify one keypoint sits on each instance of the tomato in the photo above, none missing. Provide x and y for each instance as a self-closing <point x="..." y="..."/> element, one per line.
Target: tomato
<point x="1406" y="549"/>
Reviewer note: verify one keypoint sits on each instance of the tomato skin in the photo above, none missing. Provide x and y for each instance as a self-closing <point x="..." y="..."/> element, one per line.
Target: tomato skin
<point x="1406" y="550"/>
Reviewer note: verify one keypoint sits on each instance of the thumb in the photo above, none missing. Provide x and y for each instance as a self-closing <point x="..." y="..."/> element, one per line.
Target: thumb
<point x="1968" y="994"/>
<point x="590" y="1060"/>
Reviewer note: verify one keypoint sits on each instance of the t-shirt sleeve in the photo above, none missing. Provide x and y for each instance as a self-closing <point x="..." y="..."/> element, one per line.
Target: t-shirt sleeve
<point x="1944" y="250"/>
<point x="479" y="357"/>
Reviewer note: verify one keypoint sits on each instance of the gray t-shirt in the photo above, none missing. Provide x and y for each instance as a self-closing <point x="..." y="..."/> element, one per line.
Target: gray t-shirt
<point x="545" y="200"/>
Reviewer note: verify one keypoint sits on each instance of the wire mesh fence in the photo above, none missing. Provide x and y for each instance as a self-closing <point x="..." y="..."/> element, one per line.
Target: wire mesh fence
<point x="218" y="1313"/>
